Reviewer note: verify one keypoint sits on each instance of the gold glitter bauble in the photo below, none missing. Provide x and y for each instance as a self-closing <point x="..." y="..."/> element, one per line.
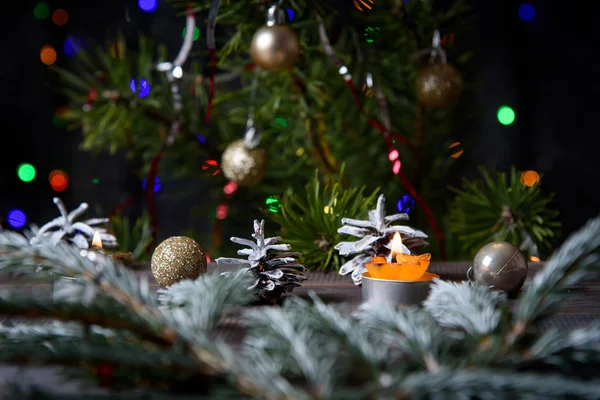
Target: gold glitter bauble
<point x="177" y="258"/>
<point x="275" y="48"/>
<point x="243" y="165"/>
<point x="438" y="85"/>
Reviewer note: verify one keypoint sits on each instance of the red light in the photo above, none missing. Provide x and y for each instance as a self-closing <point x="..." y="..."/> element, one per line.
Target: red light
<point x="211" y="167"/>
<point x="222" y="211"/>
<point x="396" y="166"/>
<point x="393" y="155"/>
<point x="59" y="180"/>
<point x="230" y="188"/>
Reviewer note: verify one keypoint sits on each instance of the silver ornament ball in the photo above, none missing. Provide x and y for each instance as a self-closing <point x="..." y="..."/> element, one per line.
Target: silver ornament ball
<point x="244" y="165"/>
<point x="501" y="266"/>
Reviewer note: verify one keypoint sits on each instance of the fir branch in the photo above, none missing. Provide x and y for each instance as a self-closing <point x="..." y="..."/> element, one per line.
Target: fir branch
<point x="471" y="308"/>
<point x="580" y="345"/>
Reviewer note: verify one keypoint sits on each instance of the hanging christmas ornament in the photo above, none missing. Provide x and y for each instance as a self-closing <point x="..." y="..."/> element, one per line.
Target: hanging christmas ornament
<point x="177" y="258"/>
<point x="438" y="84"/>
<point x="501" y="266"/>
<point x="275" y="47"/>
<point x="243" y="161"/>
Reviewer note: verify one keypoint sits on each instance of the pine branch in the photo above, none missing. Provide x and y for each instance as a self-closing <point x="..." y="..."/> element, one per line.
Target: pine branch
<point x="581" y="345"/>
<point x="473" y="309"/>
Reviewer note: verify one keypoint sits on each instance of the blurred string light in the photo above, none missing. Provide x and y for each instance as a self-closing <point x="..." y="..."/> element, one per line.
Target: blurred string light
<point x="506" y="115"/>
<point x="447" y="39"/>
<point x="16" y="218"/>
<point x="26" y="172"/>
<point x="196" y="33"/>
<point x="41" y="10"/>
<point x="230" y="188"/>
<point x="300" y="152"/>
<point x="405" y="204"/>
<point x="279" y="121"/>
<point x="535" y="259"/>
<point x="530" y="178"/>
<point x="96" y="181"/>
<point x="211" y="167"/>
<point x="71" y="46"/>
<point x="366" y="4"/>
<point x="60" y="17"/>
<point x="273" y="204"/>
<point x="157" y="184"/>
<point x="141" y="87"/>
<point x="200" y="138"/>
<point x="59" y="180"/>
<point x="290" y="14"/>
<point x="116" y="50"/>
<point x="371" y="33"/>
<point x="457" y="152"/>
<point x="222" y="210"/>
<point x="48" y="55"/>
<point x="526" y="12"/>
<point x="147" y="5"/>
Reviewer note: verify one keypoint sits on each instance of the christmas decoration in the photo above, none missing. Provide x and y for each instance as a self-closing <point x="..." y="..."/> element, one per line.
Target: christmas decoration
<point x="243" y="164"/>
<point x="272" y="265"/>
<point x="375" y="237"/>
<point x="501" y="266"/>
<point x="438" y="85"/>
<point x="501" y="208"/>
<point x="275" y="47"/>
<point x="177" y="258"/>
<point x="66" y="228"/>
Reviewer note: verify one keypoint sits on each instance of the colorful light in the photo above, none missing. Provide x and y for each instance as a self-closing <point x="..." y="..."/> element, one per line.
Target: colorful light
<point x="26" y="172"/>
<point x="230" y="188"/>
<point x="48" y="55"/>
<point x="211" y="167"/>
<point x="157" y="184"/>
<point x="96" y="181"/>
<point x="371" y="34"/>
<point x="196" y="33"/>
<point x="116" y="50"/>
<point x="147" y="5"/>
<point x="201" y="138"/>
<point x="457" y="152"/>
<point x="59" y="180"/>
<point x="143" y="87"/>
<point x="222" y="210"/>
<point x="534" y="259"/>
<point x="71" y="46"/>
<point x="526" y="12"/>
<point x="279" y="121"/>
<point x="530" y="178"/>
<point x="405" y="204"/>
<point x="273" y="204"/>
<point x="290" y="14"/>
<point x="41" y="10"/>
<point x="16" y="218"/>
<point x="506" y="115"/>
<point x="300" y="152"/>
<point x="367" y="4"/>
<point x="60" y="17"/>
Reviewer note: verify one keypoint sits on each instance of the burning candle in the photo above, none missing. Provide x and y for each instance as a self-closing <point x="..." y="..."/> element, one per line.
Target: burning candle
<point x="124" y="257"/>
<point x="400" y="266"/>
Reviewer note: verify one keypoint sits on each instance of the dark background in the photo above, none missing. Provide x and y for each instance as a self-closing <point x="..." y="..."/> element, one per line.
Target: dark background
<point x="546" y="69"/>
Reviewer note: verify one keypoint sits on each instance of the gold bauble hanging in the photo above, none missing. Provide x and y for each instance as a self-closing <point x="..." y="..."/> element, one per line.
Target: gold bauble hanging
<point x="438" y="85"/>
<point x="177" y="258"/>
<point x="244" y="165"/>
<point x="275" y="48"/>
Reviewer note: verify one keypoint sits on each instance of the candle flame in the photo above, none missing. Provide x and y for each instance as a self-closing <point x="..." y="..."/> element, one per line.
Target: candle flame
<point x="97" y="240"/>
<point x="396" y="246"/>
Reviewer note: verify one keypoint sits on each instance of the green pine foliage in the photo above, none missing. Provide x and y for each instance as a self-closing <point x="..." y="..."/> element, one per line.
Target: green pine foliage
<point x="501" y="208"/>
<point x="309" y="221"/>
<point x="135" y="237"/>
<point x="465" y="342"/>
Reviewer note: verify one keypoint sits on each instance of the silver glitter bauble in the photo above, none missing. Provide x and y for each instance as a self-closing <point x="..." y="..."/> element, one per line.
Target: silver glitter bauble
<point x="244" y="165"/>
<point x="177" y="258"/>
<point x="500" y="265"/>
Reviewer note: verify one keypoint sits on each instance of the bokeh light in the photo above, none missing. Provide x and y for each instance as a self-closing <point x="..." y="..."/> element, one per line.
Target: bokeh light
<point x="456" y="150"/>
<point x="362" y="5"/>
<point x="273" y="204"/>
<point x="148" y="5"/>
<point x="290" y="14"/>
<point x="41" y="10"/>
<point x="141" y="87"/>
<point x="526" y="12"/>
<point x="116" y="50"/>
<point x="371" y="33"/>
<point x="96" y="181"/>
<point x="60" y="17"/>
<point x="506" y="115"/>
<point x="201" y="138"/>
<point x="16" y="218"/>
<point x="26" y="172"/>
<point x="300" y="152"/>
<point x="530" y="178"/>
<point x="535" y="259"/>
<point x="405" y="204"/>
<point x="59" y="180"/>
<point x="71" y="46"/>
<point x="230" y="188"/>
<point x="222" y="210"/>
<point x="48" y="55"/>
<point x="157" y="184"/>
<point x="211" y="167"/>
<point x="196" y="33"/>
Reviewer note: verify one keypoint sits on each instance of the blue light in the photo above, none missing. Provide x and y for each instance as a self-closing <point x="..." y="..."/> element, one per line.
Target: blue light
<point x="201" y="138"/>
<point x="142" y="85"/>
<point x="290" y="14"/>
<point x="147" y="5"/>
<point x="526" y="12"/>
<point x="157" y="184"/>
<point x="405" y="204"/>
<point x="71" y="46"/>
<point x="16" y="218"/>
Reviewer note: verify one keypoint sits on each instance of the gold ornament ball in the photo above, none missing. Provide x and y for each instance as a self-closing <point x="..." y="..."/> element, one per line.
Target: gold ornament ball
<point x="438" y="85"/>
<point x="177" y="258"/>
<point x="501" y="266"/>
<point x="275" y="48"/>
<point x="243" y="165"/>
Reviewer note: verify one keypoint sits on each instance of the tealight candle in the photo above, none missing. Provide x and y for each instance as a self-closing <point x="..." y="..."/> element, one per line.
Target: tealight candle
<point x="124" y="257"/>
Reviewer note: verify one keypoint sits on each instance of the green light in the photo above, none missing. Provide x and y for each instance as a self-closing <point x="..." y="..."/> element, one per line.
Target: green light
<point x="506" y="115"/>
<point x="280" y="121"/>
<point x="41" y="10"/>
<point x="273" y="204"/>
<point x="95" y="181"/>
<point x="196" y="33"/>
<point x="26" y="172"/>
<point x="370" y="33"/>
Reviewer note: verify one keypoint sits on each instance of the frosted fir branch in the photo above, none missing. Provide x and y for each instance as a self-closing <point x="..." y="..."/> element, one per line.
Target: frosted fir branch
<point x="50" y="330"/>
<point x="471" y="308"/>
<point x="208" y="297"/>
<point x="495" y="384"/>
<point x="566" y="266"/>
<point x="581" y="345"/>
